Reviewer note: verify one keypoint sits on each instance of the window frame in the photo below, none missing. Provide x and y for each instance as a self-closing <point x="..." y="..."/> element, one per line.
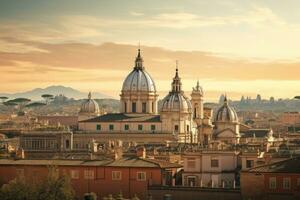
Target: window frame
<point x="98" y="127"/>
<point x="74" y="174"/>
<point x="144" y="107"/>
<point x="141" y="178"/>
<point x="111" y="127"/>
<point x="89" y="174"/>
<point x="272" y="183"/>
<point x="213" y="161"/>
<point x="126" y="127"/>
<point x="133" y="107"/>
<point x="153" y="127"/>
<point x="140" y="127"/>
<point x="116" y="178"/>
<point x="251" y="163"/>
<point x="284" y="181"/>
<point x="176" y="128"/>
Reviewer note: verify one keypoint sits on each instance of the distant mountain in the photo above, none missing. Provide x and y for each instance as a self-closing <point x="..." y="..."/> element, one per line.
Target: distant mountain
<point x="69" y="92"/>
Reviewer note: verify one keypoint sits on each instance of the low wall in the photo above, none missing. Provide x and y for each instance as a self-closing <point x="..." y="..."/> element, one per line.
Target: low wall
<point x="193" y="193"/>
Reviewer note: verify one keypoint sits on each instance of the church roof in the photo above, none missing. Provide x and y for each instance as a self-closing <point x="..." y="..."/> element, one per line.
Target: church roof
<point x="121" y="117"/>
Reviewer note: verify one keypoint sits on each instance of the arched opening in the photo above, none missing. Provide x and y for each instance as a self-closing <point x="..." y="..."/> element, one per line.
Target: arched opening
<point x="67" y="144"/>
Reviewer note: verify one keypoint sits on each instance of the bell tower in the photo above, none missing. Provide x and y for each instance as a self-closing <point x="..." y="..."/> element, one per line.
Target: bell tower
<point x="197" y="103"/>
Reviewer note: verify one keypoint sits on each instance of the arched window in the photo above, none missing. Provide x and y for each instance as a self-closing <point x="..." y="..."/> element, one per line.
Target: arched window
<point x="144" y="104"/>
<point x="133" y="107"/>
<point x="67" y="144"/>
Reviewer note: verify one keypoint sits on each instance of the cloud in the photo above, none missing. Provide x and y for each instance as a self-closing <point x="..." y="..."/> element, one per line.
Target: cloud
<point x="103" y="68"/>
<point x="111" y="56"/>
<point x="80" y="27"/>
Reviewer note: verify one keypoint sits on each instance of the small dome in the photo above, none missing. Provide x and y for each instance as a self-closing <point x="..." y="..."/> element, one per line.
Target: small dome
<point x="176" y="102"/>
<point x="138" y="80"/>
<point x="89" y="106"/>
<point x="226" y="113"/>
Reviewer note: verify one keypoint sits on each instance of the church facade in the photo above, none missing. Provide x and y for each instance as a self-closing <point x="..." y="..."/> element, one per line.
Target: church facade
<point x="178" y="120"/>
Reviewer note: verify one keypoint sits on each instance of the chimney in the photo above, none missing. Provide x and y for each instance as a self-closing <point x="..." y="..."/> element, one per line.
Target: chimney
<point x="141" y="152"/>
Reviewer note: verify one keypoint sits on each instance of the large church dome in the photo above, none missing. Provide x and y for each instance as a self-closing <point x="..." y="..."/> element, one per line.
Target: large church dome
<point x="90" y="106"/>
<point x="226" y="113"/>
<point x="138" y="80"/>
<point x="138" y="94"/>
<point x="176" y="100"/>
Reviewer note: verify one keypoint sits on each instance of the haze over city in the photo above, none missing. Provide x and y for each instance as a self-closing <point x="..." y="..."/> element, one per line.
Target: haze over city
<point x="149" y="100"/>
<point x="237" y="47"/>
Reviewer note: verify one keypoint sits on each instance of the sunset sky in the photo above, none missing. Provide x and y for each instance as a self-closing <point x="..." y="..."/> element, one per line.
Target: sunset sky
<point x="237" y="47"/>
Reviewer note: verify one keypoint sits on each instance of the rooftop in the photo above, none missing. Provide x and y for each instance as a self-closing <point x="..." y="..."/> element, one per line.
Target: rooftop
<point x="121" y="117"/>
<point x="286" y="166"/>
<point x="260" y="133"/>
<point x="122" y="162"/>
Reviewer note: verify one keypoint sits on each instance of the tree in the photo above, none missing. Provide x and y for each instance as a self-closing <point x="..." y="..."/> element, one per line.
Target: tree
<point x="35" y="104"/>
<point x="56" y="187"/>
<point x="47" y="98"/>
<point x="297" y="97"/>
<point x="17" y="189"/>
<point x="20" y="102"/>
<point x="3" y="99"/>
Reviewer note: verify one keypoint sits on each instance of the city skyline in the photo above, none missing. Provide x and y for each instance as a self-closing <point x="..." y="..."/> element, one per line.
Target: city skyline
<point x="80" y="45"/>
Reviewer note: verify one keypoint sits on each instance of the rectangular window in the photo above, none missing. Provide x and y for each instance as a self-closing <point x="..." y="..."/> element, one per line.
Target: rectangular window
<point x="141" y="176"/>
<point x="116" y="175"/>
<point x="74" y="174"/>
<point x="125" y="107"/>
<point x="89" y="174"/>
<point x="272" y="183"/>
<point x="249" y="163"/>
<point x="191" y="163"/>
<point x="144" y="107"/>
<point x="98" y="127"/>
<point x="133" y="107"/>
<point x="286" y="183"/>
<point x="176" y="128"/>
<point x="214" y="162"/>
<point x="140" y="127"/>
<point x="188" y="128"/>
<point x="126" y="127"/>
<point x="153" y="127"/>
<point x="111" y="127"/>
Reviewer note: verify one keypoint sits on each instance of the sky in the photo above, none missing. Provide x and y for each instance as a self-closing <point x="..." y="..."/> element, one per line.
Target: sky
<point x="237" y="47"/>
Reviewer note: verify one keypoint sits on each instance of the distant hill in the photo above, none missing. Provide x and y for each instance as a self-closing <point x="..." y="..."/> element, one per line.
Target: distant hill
<point x="69" y="92"/>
